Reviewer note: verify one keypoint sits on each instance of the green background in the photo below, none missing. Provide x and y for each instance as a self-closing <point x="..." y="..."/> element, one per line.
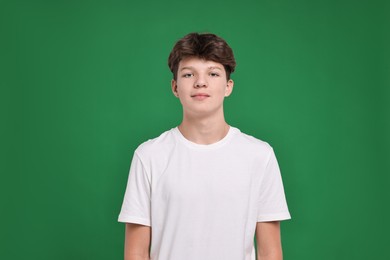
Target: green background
<point x="83" y="83"/>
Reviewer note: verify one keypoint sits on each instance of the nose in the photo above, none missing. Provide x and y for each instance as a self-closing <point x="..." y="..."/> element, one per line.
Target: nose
<point x="200" y="83"/>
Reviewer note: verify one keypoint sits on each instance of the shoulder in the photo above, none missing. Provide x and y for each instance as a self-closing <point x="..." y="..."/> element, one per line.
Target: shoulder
<point x="250" y="144"/>
<point x="251" y="141"/>
<point x="158" y="145"/>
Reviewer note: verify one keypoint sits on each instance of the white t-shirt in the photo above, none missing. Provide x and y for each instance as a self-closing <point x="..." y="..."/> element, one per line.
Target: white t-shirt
<point x="203" y="201"/>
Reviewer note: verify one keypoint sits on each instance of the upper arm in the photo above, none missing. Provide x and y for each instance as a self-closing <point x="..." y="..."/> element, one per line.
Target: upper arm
<point x="268" y="240"/>
<point x="137" y="241"/>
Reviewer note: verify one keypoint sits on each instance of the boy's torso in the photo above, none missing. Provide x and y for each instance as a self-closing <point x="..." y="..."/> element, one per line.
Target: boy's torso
<point x="203" y="197"/>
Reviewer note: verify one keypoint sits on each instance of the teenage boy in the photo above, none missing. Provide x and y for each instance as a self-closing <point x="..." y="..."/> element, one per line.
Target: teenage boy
<point x="204" y="189"/>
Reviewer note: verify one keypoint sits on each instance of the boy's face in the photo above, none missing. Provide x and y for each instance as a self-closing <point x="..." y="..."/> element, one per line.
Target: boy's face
<point x="201" y="86"/>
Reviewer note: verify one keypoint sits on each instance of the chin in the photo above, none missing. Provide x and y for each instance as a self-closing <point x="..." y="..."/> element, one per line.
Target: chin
<point x="203" y="112"/>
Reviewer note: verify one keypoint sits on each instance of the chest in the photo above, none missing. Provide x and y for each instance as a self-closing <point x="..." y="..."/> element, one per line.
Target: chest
<point x="209" y="178"/>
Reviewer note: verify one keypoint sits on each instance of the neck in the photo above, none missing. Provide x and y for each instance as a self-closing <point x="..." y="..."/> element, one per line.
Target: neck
<point x="204" y="130"/>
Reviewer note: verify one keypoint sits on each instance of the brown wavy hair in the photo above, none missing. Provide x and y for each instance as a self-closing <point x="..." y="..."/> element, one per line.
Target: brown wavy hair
<point x="205" y="46"/>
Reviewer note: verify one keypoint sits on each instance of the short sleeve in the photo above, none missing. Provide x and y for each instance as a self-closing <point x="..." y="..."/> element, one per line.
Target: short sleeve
<point x="136" y="203"/>
<point x="272" y="201"/>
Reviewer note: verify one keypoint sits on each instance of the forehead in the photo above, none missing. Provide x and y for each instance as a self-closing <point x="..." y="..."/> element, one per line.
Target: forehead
<point x="197" y="63"/>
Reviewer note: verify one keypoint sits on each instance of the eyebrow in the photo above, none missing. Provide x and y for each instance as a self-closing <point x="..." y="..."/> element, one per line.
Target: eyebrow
<point x="211" y="68"/>
<point x="215" y="67"/>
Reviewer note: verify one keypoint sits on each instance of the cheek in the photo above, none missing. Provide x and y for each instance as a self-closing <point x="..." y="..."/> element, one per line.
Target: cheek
<point x="223" y="89"/>
<point x="184" y="85"/>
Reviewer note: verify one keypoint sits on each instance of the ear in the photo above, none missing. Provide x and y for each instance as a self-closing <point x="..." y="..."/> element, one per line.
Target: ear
<point x="229" y="87"/>
<point x="174" y="88"/>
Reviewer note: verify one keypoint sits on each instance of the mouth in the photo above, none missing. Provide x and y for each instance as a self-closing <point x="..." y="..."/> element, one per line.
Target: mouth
<point x="200" y="96"/>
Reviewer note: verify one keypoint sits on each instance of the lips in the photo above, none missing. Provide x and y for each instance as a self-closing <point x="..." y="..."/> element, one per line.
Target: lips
<point x="200" y="95"/>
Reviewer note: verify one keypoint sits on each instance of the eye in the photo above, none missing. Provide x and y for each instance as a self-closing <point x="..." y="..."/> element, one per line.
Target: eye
<point x="187" y="75"/>
<point x="214" y="74"/>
